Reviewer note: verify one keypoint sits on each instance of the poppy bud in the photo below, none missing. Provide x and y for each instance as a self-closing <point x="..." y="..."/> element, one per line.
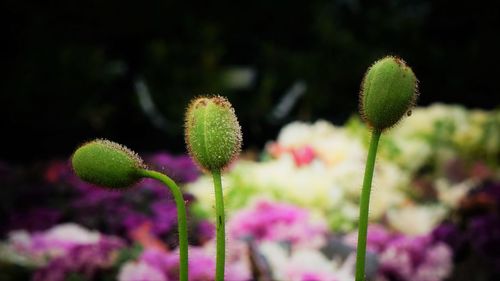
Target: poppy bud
<point x="388" y="91"/>
<point x="106" y="163"/>
<point x="212" y="132"/>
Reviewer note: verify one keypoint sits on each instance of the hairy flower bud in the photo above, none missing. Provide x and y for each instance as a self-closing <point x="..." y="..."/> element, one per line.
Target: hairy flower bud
<point x="388" y="91"/>
<point x="212" y="132"/>
<point x="106" y="163"/>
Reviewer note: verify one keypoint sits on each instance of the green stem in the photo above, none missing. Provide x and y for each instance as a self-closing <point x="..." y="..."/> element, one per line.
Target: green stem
<point x="181" y="219"/>
<point x="221" y="237"/>
<point x="364" y="206"/>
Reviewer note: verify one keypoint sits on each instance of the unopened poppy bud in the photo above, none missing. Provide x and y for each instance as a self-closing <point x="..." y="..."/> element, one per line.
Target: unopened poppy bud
<point x="212" y="132"/>
<point x="388" y="91"/>
<point x="106" y="163"/>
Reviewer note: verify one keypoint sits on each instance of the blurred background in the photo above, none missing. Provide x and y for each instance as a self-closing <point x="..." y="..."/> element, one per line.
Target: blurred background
<point x="126" y="70"/>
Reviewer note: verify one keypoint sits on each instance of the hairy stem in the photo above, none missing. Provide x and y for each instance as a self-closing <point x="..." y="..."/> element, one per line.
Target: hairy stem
<point x="220" y="236"/>
<point x="364" y="206"/>
<point x="181" y="219"/>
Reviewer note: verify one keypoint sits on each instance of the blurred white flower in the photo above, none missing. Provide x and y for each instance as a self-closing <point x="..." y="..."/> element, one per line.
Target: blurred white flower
<point x="415" y="219"/>
<point x="140" y="271"/>
<point x="412" y="154"/>
<point x="437" y="265"/>
<point x="451" y="194"/>
<point x="74" y="233"/>
<point x="305" y="264"/>
<point x="388" y="183"/>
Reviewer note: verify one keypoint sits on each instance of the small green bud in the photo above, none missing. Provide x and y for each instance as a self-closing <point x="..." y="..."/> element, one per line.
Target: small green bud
<point x="106" y="163"/>
<point x="212" y="132"/>
<point x="388" y="91"/>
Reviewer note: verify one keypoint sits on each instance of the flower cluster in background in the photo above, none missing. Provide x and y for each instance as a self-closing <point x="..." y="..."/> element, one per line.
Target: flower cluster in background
<point x="283" y="242"/>
<point x="103" y="223"/>
<point x="112" y="212"/>
<point x="291" y="215"/>
<point x="157" y="265"/>
<point x="402" y="257"/>
<point x="423" y="169"/>
<point x="473" y="232"/>
<point x="277" y="222"/>
<point x="61" y="251"/>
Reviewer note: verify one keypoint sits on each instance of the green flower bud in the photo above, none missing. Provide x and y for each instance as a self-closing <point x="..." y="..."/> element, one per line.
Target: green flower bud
<point x="212" y="132"/>
<point x="388" y="91"/>
<point x="106" y="163"/>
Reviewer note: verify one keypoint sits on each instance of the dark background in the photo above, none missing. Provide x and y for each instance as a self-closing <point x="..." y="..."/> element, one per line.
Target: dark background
<point x="70" y="66"/>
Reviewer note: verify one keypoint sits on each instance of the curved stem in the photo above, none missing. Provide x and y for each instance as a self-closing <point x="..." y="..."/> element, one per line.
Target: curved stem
<point x="364" y="206"/>
<point x="221" y="237"/>
<point x="181" y="219"/>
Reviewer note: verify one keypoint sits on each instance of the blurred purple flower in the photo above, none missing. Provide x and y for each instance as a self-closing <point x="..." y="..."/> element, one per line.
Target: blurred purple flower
<point x="131" y="219"/>
<point x="158" y="259"/>
<point x="277" y="222"/>
<point x="415" y="258"/>
<point x="90" y="196"/>
<point x="484" y="233"/>
<point x="201" y="265"/>
<point x="450" y="234"/>
<point x="164" y="216"/>
<point x="53" y="242"/>
<point x="181" y="168"/>
<point x="377" y="238"/>
<point x="65" y="249"/>
<point x="205" y="230"/>
<point x="118" y="212"/>
<point x="476" y="234"/>
<point x="85" y="260"/>
<point x="156" y="188"/>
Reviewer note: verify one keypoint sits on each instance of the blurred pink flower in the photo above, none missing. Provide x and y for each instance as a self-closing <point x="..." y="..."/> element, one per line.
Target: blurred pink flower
<point x="415" y="258"/>
<point x="201" y="265"/>
<point x="275" y="221"/>
<point x="303" y="155"/>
